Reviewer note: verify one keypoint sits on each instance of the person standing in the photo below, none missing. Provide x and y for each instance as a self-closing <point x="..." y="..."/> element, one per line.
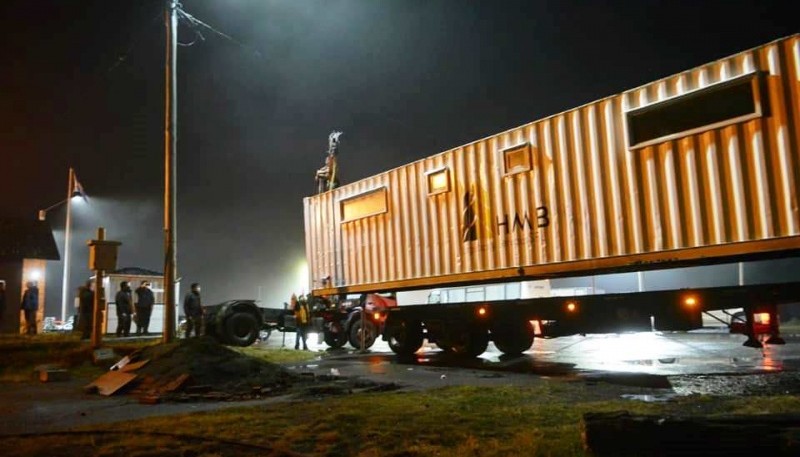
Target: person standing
<point x="29" y="306"/>
<point x="2" y="304"/>
<point x="124" y="303"/>
<point x="85" y="310"/>
<point x="144" y="307"/>
<point x="193" y="309"/>
<point x="302" y="317"/>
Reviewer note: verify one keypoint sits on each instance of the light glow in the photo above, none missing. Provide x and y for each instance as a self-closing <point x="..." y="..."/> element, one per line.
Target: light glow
<point x="482" y="311"/>
<point x="690" y="301"/>
<point x="572" y="307"/>
<point x="35" y="275"/>
<point x="762" y="318"/>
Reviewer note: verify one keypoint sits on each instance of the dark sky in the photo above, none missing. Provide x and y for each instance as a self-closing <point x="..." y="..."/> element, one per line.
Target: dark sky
<point x="402" y="79"/>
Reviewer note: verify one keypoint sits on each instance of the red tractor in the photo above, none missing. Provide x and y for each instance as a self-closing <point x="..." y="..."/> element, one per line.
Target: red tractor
<point x="342" y="320"/>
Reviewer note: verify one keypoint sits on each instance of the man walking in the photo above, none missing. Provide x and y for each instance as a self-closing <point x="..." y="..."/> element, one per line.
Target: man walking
<point x="124" y="309"/>
<point x="193" y="309"/>
<point x="144" y="307"/>
<point x="29" y="306"/>
<point x="85" y="310"/>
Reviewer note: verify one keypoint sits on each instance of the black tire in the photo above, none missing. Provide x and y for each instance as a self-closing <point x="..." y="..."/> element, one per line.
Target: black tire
<point x="513" y="338"/>
<point x="404" y="337"/>
<point x="470" y="342"/>
<point x="241" y="329"/>
<point x="335" y="339"/>
<point x="370" y="334"/>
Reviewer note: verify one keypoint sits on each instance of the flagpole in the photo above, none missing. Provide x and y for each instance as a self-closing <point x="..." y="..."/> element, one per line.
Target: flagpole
<point x="65" y="279"/>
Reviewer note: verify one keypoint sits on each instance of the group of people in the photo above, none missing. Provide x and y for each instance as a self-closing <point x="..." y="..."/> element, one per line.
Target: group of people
<point x="127" y="310"/>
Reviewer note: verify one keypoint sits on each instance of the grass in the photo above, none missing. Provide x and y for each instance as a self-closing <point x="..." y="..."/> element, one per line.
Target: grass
<point x="20" y="354"/>
<point x="280" y="356"/>
<point x="448" y="422"/>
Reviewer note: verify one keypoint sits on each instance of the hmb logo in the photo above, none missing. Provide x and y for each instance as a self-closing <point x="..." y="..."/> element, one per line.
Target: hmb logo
<point x="469" y="220"/>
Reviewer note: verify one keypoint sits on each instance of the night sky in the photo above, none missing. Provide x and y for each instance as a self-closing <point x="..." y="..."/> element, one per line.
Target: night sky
<point x="82" y="86"/>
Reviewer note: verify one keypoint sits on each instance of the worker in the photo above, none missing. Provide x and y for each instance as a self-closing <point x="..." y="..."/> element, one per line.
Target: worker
<point x="302" y="317"/>
<point x="85" y="310"/>
<point x="124" y="303"/>
<point x="29" y="306"/>
<point x="143" y="307"/>
<point x="193" y="309"/>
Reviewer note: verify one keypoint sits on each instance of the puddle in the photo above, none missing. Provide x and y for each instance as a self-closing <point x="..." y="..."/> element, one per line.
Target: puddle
<point x="650" y="398"/>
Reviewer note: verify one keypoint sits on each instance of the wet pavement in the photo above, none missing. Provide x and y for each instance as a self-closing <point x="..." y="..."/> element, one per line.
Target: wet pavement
<point x="703" y="362"/>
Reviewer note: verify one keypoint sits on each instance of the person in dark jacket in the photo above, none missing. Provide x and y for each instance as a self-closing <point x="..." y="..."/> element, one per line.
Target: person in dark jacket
<point x="144" y="307"/>
<point x="29" y="306"/>
<point x="124" y="303"/>
<point x="2" y="304"/>
<point x="85" y="310"/>
<point x="193" y="309"/>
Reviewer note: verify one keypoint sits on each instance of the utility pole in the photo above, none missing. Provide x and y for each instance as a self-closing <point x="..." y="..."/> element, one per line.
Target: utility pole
<point x="65" y="278"/>
<point x="170" y="169"/>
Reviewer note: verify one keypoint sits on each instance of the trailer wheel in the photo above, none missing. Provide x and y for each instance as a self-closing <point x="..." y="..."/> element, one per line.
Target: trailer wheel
<point x="405" y="337"/>
<point x="335" y="339"/>
<point x="370" y="333"/>
<point x="467" y="342"/>
<point x="513" y="338"/>
<point x="241" y="329"/>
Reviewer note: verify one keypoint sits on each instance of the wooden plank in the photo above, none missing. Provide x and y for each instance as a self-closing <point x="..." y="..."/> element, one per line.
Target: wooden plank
<point x="111" y="382"/>
<point x="134" y="366"/>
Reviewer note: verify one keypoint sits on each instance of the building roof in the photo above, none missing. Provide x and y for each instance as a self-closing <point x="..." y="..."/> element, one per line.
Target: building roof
<point x="26" y="239"/>
<point x="136" y="271"/>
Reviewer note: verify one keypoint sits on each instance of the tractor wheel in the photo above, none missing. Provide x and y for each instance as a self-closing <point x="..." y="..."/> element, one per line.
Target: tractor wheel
<point x="370" y="333"/>
<point x="335" y="337"/>
<point x="241" y="329"/>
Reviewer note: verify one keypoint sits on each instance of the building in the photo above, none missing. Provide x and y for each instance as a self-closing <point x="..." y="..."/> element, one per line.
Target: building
<point x="25" y="248"/>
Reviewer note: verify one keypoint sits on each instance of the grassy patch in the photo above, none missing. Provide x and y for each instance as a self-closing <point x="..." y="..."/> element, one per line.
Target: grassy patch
<point x="453" y="421"/>
<point x="278" y="355"/>
<point x="19" y="354"/>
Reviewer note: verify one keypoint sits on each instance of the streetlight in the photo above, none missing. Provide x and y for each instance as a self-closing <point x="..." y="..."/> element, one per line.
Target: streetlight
<point x="74" y="190"/>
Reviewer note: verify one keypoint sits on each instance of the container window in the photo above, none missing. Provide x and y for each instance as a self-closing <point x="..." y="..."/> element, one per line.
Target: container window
<point x="517" y="159"/>
<point x="438" y="181"/>
<point x="704" y="109"/>
<point x="364" y="205"/>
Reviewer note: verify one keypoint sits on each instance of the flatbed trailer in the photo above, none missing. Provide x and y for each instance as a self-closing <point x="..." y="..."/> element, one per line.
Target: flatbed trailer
<point x="698" y="168"/>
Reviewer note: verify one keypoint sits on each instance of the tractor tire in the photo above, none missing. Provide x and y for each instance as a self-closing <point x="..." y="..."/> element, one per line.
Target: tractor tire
<point x="241" y="329"/>
<point x="513" y="338"/>
<point x="370" y="334"/>
<point x="404" y="337"/>
<point x="335" y="339"/>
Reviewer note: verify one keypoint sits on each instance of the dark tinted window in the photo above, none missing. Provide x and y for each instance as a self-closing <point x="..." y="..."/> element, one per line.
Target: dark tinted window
<point x="692" y="111"/>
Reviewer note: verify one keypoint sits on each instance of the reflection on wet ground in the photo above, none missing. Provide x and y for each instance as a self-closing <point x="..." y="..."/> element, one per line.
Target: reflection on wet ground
<point x="702" y="362"/>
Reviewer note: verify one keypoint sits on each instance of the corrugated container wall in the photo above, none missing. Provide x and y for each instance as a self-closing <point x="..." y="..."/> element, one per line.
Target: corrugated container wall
<point x="701" y="165"/>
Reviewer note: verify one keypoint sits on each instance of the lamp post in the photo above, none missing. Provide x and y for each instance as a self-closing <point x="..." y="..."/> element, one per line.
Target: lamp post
<point x="74" y="189"/>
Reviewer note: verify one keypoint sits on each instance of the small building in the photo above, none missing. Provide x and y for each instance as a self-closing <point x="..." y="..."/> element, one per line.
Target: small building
<point x="134" y="276"/>
<point x="25" y="247"/>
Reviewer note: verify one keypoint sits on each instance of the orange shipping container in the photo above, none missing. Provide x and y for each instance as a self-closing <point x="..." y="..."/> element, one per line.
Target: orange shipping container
<point x="697" y="167"/>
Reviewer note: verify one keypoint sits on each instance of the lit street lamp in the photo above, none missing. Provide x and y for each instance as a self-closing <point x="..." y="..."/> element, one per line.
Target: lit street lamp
<point x="74" y="190"/>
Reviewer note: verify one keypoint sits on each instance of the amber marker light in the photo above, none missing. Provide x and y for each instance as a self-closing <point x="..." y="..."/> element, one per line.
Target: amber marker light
<point x="690" y="301"/>
<point x="482" y="311"/>
<point x="572" y="306"/>
<point x="377" y="316"/>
